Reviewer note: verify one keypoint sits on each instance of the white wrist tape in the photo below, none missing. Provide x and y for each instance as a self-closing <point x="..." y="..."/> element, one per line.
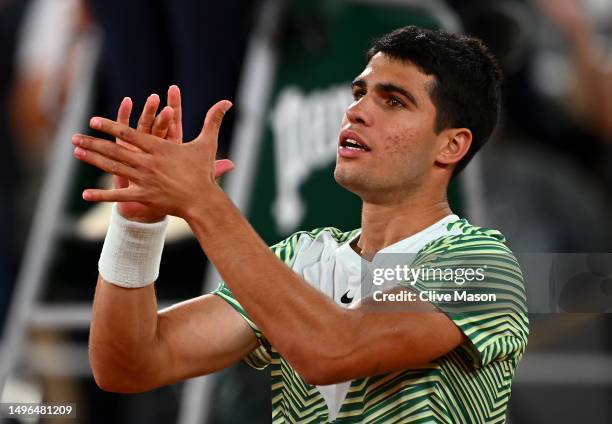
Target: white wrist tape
<point x="132" y="251"/>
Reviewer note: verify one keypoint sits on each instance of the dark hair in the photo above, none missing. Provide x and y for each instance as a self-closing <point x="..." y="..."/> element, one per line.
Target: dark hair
<point x="466" y="92"/>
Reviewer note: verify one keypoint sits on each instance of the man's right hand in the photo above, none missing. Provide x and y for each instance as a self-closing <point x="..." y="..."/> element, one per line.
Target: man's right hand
<point x="167" y="125"/>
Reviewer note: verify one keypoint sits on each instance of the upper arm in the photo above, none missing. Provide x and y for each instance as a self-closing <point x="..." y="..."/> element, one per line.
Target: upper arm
<point x="212" y="332"/>
<point x="200" y="336"/>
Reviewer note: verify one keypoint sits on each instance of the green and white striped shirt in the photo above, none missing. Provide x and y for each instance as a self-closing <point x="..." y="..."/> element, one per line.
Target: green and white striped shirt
<point x="471" y="384"/>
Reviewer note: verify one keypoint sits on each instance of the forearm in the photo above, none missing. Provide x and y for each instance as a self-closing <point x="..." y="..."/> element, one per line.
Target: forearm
<point x="123" y="338"/>
<point x="294" y="316"/>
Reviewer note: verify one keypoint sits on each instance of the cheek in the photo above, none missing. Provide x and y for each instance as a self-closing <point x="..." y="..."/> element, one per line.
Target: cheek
<point x="401" y="143"/>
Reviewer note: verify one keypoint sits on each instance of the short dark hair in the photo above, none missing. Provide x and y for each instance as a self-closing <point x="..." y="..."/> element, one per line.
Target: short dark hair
<point x="466" y="92"/>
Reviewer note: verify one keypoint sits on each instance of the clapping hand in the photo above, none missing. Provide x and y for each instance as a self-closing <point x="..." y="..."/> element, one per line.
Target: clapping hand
<point x="155" y="174"/>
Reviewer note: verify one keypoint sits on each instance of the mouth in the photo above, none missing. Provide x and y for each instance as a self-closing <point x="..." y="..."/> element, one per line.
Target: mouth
<point x="351" y="141"/>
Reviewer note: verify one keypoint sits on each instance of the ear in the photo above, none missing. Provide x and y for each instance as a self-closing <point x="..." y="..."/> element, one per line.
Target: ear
<point x="455" y="144"/>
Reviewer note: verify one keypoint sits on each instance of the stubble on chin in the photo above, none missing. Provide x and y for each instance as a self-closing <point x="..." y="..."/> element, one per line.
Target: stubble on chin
<point x="351" y="181"/>
<point x="341" y="176"/>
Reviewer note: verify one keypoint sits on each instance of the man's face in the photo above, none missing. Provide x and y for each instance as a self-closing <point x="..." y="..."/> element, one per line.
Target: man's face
<point x="393" y="117"/>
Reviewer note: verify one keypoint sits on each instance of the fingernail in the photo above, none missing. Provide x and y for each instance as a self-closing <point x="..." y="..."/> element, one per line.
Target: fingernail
<point x="228" y="106"/>
<point x="79" y="152"/>
<point x="86" y="195"/>
<point x="95" y="123"/>
<point x="77" y="140"/>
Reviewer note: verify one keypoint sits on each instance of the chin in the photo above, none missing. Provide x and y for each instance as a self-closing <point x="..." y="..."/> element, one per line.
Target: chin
<point x="350" y="182"/>
<point x="340" y="175"/>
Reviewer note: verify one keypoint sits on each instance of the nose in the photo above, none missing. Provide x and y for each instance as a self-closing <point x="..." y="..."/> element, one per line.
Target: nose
<point x="358" y="112"/>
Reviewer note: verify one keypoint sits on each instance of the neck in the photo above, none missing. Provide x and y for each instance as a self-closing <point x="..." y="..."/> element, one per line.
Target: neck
<point x="383" y="224"/>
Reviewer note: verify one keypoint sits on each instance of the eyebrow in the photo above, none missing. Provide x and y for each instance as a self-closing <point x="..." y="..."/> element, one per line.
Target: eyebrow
<point x="387" y="87"/>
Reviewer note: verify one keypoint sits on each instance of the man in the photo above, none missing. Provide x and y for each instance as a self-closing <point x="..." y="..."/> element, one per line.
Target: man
<point x="423" y="106"/>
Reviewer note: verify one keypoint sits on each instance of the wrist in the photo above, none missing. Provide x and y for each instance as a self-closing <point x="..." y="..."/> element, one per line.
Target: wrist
<point x="132" y="251"/>
<point x="207" y="214"/>
<point x="207" y="203"/>
<point x="144" y="219"/>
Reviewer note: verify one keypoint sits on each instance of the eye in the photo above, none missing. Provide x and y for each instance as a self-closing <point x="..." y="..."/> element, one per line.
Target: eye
<point x="358" y="93"/>
<point x="394" y="102"/>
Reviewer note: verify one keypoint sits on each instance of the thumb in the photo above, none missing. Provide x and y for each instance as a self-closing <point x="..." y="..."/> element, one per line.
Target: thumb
<point x="222" y="167"/>
<point x="213" y="120"/>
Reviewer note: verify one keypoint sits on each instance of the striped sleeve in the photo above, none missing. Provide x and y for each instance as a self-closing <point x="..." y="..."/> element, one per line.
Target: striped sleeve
<point x="490" y="306"/>
<point x="260" y="357"/>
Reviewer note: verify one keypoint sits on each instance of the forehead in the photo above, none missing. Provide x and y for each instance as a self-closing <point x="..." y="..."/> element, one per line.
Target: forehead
<point x="386" y="69"/>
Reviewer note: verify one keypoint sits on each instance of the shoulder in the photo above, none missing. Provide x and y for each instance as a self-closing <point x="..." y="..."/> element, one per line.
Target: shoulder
<point x="461" y="236"/>
<point x="287" y="249"/>
<point x="468" y="245"/>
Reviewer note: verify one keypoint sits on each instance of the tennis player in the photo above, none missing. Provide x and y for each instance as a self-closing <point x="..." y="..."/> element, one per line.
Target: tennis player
<point x="425" y="103"/>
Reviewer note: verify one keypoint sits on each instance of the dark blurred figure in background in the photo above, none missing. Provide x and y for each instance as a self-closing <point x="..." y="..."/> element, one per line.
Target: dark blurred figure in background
<point x="555" y="135"/>
<point x="150" y="44"/>
<point x="11" y="12"/>
<point x="43" y="72"/>
<point x="589" y="41"/>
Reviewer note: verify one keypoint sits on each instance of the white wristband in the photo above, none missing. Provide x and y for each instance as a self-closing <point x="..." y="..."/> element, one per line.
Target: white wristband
<point x="132" y="251"/>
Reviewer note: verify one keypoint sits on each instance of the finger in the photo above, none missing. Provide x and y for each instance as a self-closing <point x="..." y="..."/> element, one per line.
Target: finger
<point x="223" y="166"/>
<point x="147" y="117"/>
<point x="116" y="195"/>
<point x="146" y="142"/>
<point x="175" y="132"/>
<point x="162" y="122"/>
<point x="106" y="148"/>
<point x="110" y="166"/>
<point x="123" y="117"/>
<point x="125" y="111"/>
<point x="212" y="124"/>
